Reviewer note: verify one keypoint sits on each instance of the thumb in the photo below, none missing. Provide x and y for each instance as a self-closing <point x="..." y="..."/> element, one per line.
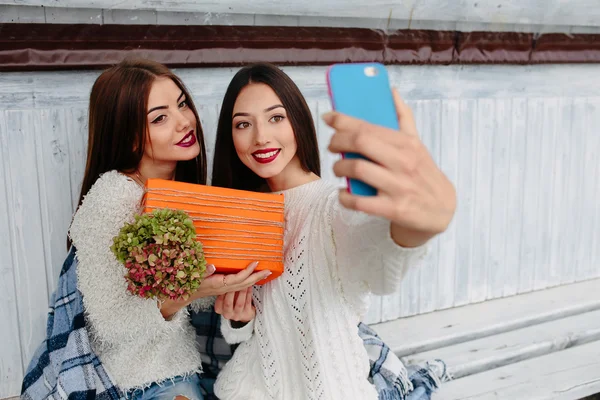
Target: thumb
<point x="406" y="119"/>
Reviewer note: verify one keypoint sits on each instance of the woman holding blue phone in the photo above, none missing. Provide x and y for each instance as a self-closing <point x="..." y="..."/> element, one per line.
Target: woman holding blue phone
<point x="302" y="340"/>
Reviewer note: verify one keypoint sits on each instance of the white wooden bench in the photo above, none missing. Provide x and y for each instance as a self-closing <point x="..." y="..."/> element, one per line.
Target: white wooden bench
<point x="540" y="345"/>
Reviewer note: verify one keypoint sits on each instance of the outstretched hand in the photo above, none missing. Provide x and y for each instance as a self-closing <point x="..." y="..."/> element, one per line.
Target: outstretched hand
<point x="412" y="192"/>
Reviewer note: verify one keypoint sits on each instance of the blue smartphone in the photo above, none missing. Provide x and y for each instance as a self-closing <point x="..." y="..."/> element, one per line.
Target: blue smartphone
<point x="362" y="90"/>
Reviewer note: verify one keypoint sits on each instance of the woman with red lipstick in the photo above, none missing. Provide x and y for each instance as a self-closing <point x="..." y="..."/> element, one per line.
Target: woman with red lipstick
<point x="304" y="341"/>
<point x="142" y="124"/>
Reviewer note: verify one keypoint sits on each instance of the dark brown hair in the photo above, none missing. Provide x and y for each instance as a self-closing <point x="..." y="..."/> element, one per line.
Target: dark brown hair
<point x="228" y="169"/>
<point x="118" y="122"/>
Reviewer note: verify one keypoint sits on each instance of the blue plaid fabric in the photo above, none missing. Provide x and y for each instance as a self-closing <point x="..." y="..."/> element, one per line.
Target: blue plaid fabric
<point x="64" y="366"/>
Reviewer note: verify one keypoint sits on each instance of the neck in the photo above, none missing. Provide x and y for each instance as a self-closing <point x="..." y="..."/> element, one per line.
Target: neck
<point x="165" y="171"/>
<point x="289" y="181"/>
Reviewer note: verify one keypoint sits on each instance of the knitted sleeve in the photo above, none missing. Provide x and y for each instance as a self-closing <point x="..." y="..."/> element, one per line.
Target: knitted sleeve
<point x="367" y="258"/>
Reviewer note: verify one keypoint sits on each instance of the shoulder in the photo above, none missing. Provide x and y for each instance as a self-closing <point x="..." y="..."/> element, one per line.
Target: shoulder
<point x="113" y="191"/>
<point x="110" y="201"/>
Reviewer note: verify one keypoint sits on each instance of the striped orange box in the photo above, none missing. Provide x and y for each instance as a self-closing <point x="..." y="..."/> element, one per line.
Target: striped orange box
<point x="235" y="227"/>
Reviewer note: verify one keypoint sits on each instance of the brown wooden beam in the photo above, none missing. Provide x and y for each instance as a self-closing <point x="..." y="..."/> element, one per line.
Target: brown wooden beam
<point x="30" y="47"/>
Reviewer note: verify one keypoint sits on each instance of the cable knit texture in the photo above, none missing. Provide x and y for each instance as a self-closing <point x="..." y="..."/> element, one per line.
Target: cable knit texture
<point x="134" y="342"/>
<point x="305" y="343"/>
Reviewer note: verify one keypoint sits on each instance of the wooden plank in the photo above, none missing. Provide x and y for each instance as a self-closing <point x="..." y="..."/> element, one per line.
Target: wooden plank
<point x="595" y="173"/>
<point x="552" y="12"/>
<point x="491" y="352"/>
<point x="565" y="375"/>
<point x="11" y="365"/>
<point x="483" y="138"/>
<point x="587" y="266"/>
<point x="557" y="215"/>
<point x="514" y="205"/>
<point x="77" y="127"/>
<point x="531" y="226"/>
<point x="576" y="187"/>
<point x="26" y="230"/>
<point x="497" y="277"/>
<point x="465" y="189"/>
<point x="562" y="259"/>
<point x="545" y="207"/>
<point x="17" y="90"/>
<point x="209" y="118"/>
<point x="442" y="328"/>
<point x="51" y="137"/>
<point x="449" y="161"/>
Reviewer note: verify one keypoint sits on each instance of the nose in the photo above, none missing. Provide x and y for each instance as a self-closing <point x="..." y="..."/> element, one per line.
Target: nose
<point x="261" y="137"/>
<point x="183" y="122"/>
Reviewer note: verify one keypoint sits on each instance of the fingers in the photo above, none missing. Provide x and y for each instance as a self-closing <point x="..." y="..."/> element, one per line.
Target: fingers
<point x="246" y="272"/>
<point x="219" y="304"/>
<point x="372" y="174"/>
<point x="240" y="302"/>
<point x="382" y="206"/>
<point x="228" y="302"/>
<point x="248" y="306"/>
<point x="406" y="118"/>
<point x="246" y="277"/>
<point x="210" y="269"/>
<point x="236" y="306"/>
<point x="255" y="277"/>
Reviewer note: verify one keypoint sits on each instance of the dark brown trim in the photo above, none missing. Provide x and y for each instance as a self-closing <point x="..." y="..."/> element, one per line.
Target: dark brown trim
<point x="27" y="47"/>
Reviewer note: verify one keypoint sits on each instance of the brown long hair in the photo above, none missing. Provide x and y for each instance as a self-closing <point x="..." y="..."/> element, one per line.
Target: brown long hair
<point x="118" y="122"/>
<point x="228" y="169"/>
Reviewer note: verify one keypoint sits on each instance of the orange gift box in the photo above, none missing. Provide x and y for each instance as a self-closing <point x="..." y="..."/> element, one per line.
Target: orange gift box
<point x="235" y="227"/>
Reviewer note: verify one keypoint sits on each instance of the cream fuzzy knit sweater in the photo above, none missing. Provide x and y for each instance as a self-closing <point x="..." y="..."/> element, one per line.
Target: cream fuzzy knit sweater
<point x="134" y="342"/>
<point x="304" y="342"/>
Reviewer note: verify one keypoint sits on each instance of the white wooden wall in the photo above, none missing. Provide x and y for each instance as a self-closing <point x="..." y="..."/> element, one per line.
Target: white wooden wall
<point x="539" y="12"/>
<point x="537" y="16"/>
<point x="518" y="142"/>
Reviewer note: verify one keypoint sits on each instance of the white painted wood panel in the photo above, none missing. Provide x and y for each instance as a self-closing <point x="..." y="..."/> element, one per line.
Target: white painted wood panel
<point x="51" y="130"/>
<point x="59" y="15"/>
<point x="534" y="379"/>
<point x="11" y="366"/>
<point x="25" y="229"/>
<point x="479" y="355"/>
<point x="499" y="196"/>
<point x="551" y="12"/>
<point x="517" y="142"/>
<point x="460" y="324"/>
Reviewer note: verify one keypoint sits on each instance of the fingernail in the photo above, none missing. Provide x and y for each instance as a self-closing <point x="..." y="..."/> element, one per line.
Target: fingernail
<point x="210" y="268"/>
<point x="253" y="264"/>
<point x="268" y="273"/>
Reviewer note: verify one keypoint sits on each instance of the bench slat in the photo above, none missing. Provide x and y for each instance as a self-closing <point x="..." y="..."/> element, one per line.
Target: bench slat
<point x="566" y="375"/>
<point x="494" y="351"/>
<point x="442" y="328"/>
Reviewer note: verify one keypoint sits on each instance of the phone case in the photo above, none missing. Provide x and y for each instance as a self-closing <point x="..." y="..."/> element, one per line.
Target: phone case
<point x="362" y="90"/>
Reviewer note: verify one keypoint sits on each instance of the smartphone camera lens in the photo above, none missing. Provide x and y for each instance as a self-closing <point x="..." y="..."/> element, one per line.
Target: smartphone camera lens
<point x="370" y="71"/>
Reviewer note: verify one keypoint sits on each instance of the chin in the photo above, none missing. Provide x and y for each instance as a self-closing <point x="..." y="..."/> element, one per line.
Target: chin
<point x="191" y="153"/>
<point x="266" y="172"/>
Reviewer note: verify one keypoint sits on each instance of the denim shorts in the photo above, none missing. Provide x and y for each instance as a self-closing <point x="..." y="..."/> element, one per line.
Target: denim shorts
<point x="188" y="386"/>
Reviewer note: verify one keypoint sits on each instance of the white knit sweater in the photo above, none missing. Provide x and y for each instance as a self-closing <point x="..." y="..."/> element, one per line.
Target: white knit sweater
<point x="134" y="342"/>
<point x="304" y="342"/>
